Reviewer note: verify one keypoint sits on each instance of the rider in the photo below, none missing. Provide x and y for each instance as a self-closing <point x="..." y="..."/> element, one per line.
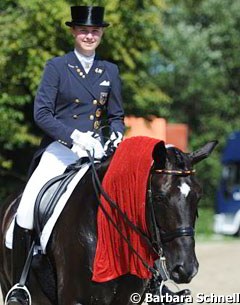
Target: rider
<point x="75" y="90"/>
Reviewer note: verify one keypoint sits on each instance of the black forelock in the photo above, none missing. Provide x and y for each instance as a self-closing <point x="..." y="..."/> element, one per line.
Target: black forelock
<point x="178" y="157"/>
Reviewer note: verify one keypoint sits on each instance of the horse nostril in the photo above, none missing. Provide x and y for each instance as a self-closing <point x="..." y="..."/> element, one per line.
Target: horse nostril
<point x="178" y="269"/>
<point x="177" y="272"/>
<point x="180" y="275"/>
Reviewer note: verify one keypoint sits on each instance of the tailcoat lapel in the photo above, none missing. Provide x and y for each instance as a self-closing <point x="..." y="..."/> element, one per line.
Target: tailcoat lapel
<point x="79" y="73"/>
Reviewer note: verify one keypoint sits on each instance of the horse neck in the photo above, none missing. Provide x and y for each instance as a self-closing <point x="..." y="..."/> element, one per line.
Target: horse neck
<point x="83" y="203"/>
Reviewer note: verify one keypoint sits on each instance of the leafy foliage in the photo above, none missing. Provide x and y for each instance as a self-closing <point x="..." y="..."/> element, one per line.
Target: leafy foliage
<point x="200" y="68"/>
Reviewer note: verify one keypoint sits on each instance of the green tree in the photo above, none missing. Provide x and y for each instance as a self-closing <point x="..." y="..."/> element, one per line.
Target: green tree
<point x="31" y="32"/>
<point x="199" y="69"/>
<point x="27" y="34"/>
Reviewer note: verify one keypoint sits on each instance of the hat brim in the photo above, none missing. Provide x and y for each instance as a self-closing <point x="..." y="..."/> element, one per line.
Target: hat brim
<point x="72" y="23"/>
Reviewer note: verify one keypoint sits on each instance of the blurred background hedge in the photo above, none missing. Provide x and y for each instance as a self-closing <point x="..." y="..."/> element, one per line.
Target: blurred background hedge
<point x="178" y="60"/>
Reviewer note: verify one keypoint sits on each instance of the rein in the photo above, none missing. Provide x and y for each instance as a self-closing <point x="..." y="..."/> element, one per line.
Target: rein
<point x="160" y="237"/>
<point x="99" y="189"/>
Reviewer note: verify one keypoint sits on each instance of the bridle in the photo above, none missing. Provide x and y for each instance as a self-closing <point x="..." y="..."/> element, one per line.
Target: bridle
<point x="160" y="237"/>
<point x="175" y="172"/>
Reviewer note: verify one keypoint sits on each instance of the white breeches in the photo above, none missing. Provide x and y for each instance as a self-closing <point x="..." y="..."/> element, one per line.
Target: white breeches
<point x="54" y="161"/>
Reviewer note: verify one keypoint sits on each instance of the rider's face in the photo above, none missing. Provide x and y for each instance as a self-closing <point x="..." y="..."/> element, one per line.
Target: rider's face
<point x="87" y="38"/>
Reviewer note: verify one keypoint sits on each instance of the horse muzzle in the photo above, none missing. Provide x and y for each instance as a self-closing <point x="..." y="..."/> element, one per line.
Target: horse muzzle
<point x="184" y="272"/>
<point x="181" y="260"/>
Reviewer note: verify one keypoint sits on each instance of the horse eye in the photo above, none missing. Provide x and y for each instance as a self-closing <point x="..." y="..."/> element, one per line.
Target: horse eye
<point x="159" y="196"/>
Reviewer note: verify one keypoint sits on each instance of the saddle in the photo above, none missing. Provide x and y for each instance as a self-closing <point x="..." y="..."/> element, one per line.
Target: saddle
<point x="50" y="194"/>
<point x="45" y="204"/>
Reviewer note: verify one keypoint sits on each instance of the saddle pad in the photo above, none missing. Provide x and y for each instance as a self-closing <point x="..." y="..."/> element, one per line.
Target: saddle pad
<point x="47" y="230"/>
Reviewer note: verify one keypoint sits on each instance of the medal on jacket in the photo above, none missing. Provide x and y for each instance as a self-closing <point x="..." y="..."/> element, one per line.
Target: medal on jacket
<point x="98" y="70"/>
<point x="103" y="98"/>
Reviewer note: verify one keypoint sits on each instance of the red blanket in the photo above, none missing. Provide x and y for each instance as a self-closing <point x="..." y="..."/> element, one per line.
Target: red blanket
<point x="126" y="184"/>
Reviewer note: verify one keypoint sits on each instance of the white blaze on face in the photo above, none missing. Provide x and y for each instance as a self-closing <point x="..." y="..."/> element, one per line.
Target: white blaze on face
<point x="185" y="189"/>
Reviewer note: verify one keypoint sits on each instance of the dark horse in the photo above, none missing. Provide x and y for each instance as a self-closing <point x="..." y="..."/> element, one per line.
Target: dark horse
<point x="71" y="250"/>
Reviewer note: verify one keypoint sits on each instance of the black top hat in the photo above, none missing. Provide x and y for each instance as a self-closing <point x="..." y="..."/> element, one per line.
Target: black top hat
<point x="87" y="15"/>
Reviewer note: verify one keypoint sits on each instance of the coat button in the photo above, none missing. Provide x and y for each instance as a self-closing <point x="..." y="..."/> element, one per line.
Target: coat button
<point x="98" y="112"/>
<point x="77" y="101"/>
<point x="91" y="117"/>
<point x="75" y="116"/>
<point x="96" y="124"/>
<point x="95" y="102"/>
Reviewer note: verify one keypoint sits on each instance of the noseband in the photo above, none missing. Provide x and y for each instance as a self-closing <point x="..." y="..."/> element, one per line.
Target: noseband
<point x="160" y="235"/>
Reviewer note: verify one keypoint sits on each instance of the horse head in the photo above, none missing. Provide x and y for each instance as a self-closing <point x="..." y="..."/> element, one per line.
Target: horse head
<point x="175" y="193"/>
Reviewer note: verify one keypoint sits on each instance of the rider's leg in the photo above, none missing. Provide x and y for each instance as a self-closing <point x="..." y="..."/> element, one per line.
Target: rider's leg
<point x="22" y="239"/>
<point x="53" y="163"/>
<point x="21" y="244"/>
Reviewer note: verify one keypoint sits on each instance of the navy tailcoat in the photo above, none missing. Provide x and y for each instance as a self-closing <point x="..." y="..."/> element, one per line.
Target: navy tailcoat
<point x="69" y="99"/>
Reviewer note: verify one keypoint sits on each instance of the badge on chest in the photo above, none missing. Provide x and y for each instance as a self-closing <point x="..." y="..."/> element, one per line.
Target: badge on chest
<point x="103" y="98"/>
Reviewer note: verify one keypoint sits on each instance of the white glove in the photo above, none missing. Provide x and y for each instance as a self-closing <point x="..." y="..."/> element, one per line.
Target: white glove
<point x="83" y="141"/>
<point x="113" y="142"/>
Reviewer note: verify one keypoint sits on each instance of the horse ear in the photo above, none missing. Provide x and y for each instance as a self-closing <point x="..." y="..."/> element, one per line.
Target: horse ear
<point x="203" y="152"/>
<point x="159" y="155"/>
